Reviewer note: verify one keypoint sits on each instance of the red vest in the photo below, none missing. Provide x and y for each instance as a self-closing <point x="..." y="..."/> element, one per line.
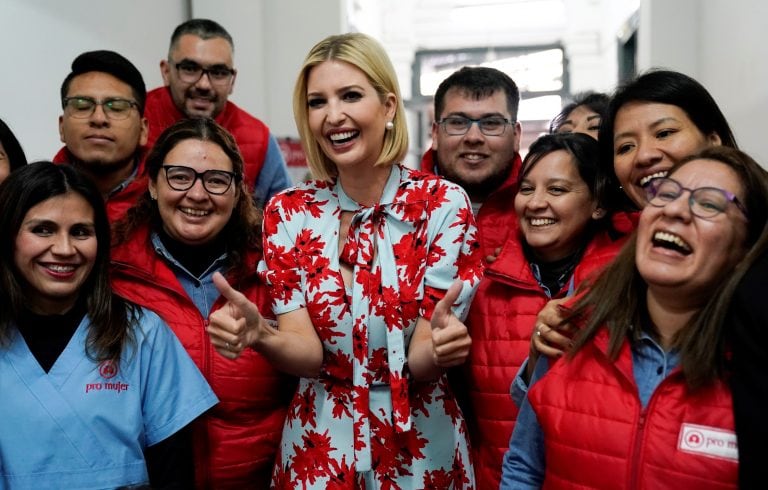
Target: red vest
<point x="251" y="135"/>
<point x="500" y="321"/>
<point x="597" y="435"/>
<point x="120" y="202"/>
<point x="497" y="214"/>
<point x="236" y="441"/>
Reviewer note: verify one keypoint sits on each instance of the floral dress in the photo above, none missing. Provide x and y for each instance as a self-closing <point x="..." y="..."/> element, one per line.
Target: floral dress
<point x="362" y="423"/>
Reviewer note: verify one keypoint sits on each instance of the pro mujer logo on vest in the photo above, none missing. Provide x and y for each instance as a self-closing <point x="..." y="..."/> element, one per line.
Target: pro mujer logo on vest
<point x="708" y="441"/>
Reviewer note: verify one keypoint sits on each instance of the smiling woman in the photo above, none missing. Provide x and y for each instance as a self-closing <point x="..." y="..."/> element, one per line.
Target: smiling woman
<point x="561" y="238"/>
<point x="197" y="218"/>
<point x="357" y="262"/>
<point x="84" y="372"/>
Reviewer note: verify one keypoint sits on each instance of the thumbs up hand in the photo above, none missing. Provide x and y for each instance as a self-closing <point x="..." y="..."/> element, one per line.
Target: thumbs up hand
<point x="236" y="325"/>
<point x="450" y="338"/>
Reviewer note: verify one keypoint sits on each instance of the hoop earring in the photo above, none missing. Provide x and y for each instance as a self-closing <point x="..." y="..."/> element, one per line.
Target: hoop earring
<point x="389" y="126"/>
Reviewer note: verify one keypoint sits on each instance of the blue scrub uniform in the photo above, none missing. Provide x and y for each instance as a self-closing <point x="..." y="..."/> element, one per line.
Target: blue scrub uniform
<point x="85" y="424"/>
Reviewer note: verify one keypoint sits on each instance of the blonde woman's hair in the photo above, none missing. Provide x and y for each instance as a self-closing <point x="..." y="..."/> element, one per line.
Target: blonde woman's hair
<point x="367" y="55"/>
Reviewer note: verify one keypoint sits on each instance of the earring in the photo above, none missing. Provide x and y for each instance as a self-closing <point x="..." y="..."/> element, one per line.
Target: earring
<point x="389" y="126"/>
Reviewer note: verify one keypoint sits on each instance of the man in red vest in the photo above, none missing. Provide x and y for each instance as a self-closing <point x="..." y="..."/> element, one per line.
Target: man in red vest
<point x="199" y="76"/>
<point x="103" y="126"/>
<point x="475" y="143"/>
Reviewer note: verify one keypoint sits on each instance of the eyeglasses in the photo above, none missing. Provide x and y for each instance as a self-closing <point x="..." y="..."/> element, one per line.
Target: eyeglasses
<point x="705" y="202"/>
<point x="489" y="126"/>
<point x="181" y="178"/>
<point x="83" y="107"/>
<point x="191" y="72"/>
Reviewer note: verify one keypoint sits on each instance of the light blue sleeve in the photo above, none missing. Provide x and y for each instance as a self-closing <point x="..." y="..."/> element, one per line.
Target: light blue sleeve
<point x="174" y="392"/>
<point x="524" y="464"/>
<point x="452" y="230"/>
<point x="274" y="175"/>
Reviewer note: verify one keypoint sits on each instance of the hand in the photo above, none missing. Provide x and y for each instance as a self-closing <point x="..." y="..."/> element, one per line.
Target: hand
<point x="492" y="258"/>
<point x="236" y="325"/>
<point x="450" y="337"/>
<point x="550" y="337"/>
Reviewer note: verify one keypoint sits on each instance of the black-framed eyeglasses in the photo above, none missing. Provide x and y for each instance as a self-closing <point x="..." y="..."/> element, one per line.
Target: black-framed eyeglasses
<point x="705" y="202"/>
<point x="191" y="72"/>
<point x="489" y="126"/>
<point x="182" y="178"/>
<point x="81" y="107"/>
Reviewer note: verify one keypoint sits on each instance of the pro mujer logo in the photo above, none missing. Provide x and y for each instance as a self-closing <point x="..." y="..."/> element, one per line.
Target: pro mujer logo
<point x="708" y="441"/>
<point x="107" y="370"/>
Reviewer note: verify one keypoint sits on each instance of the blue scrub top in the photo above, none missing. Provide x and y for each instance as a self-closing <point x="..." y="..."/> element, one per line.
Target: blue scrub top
<point x="86" y="424"/>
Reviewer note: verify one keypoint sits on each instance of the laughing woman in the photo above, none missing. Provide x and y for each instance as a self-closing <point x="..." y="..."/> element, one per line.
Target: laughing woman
<point x="96" y="391"/>
<point x="648" y="369"/>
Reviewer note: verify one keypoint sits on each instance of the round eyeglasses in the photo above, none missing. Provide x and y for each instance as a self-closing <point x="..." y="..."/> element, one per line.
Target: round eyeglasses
<point x="705" y="202"/>
<point x="489" y="126"/>
<point x="182" y="178"/>
<point x="84" y="107"/>
<point x="191" y="72"/>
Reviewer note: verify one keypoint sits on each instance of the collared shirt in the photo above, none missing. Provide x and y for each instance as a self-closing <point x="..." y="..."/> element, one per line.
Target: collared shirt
<point x="200" y="290"/>
<point x="525" y="457"/>
<point x="122" y="185"/>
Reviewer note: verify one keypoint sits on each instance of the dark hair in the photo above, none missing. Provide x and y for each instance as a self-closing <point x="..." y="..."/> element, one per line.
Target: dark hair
<point x="113" y="64"/>
<point x="202" y="28"/>
<point x="12" y="147"/>
<point x="617" y="297"/>
<point x="663" y="87"/>
<point x="478" y="82"/>
<point x="595" y="101"/>
<point x="110" y="316"/>
<point x="242" y="232"/>
<point x="585" y="154"/>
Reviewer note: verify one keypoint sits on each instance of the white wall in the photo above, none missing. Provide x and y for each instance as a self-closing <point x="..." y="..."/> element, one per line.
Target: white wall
<point x="39" y="40"/>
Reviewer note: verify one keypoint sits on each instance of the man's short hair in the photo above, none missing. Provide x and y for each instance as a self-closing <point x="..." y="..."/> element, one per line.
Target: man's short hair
<point x="113" y="64"/>
<point x="202" y="28"/>
<point x="478" y="82"/>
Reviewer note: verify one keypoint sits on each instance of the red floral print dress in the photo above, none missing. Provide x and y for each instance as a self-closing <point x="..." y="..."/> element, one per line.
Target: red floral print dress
<point x="362" y="423"/>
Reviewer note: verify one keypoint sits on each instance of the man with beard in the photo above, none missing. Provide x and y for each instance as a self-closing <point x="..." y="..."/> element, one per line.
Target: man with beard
<point x="475" y="143"/>
<point x="103" y="126"/>
<point x="199" y="76"/>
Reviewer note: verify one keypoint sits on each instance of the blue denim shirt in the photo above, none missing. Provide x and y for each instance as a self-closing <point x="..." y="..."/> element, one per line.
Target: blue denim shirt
<point x="274" y="176"/>
<point x="523" y="466"/>
<point x="200" y="290"/>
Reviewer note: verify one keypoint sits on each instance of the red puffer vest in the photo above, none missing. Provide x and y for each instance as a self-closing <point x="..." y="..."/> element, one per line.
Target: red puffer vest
<point x="120" y="202"/>
<point x="597" y="435"/>
<point x="497" y="214"/>
<point x="236" y="441"/>
<point x="500" y="321"/>
<point x="251" y="135"/>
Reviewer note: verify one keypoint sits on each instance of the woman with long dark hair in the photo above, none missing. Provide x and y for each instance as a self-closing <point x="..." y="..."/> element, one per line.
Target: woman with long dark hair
<point x="96" y="391"/>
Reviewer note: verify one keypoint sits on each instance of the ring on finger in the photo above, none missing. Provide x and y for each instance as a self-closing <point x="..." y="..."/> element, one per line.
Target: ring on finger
<point x="227" y="345"/>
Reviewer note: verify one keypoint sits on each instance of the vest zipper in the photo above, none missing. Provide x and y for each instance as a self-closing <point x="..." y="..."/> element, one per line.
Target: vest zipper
<point x="636" y="449"/>
<point x="206" y="443"/>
